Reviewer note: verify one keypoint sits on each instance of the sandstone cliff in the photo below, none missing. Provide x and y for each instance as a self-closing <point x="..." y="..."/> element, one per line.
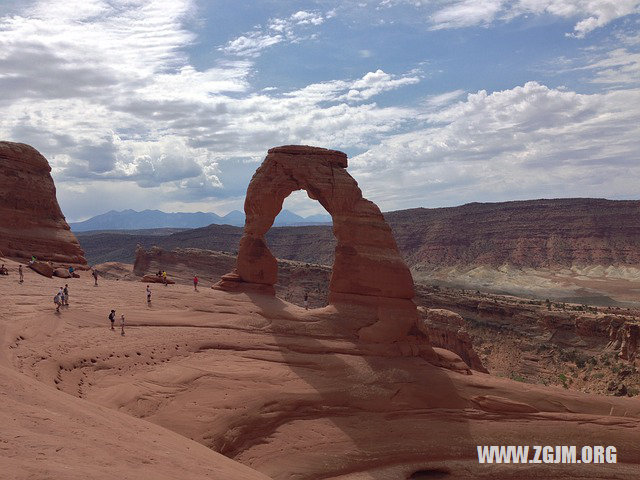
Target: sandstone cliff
<point x="32" y="222"/>
<point x="532" y="233"/>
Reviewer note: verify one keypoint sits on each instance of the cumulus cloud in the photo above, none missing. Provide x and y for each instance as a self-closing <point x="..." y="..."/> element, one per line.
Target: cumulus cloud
<point x="104" y="89"/>
<point x="510" y="144"/>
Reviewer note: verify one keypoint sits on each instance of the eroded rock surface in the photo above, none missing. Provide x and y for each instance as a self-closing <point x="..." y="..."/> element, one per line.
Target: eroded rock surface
<point x="367" y="270"/>
<point x="446" y="329"/>
<point x="32" y="222"/>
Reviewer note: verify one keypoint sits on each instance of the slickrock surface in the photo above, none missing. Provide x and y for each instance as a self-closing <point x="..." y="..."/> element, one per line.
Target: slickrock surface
<point x="181" y="264"/>
<point x="31" y="220"/>
<point x="287" y="392"/>
<point x="367" y="270"/>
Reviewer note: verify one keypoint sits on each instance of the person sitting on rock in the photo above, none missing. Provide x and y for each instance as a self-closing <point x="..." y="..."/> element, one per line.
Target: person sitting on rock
<point x="3" y="270"/>
<point x="33" y="260"/>
<point x="71" y="270"/>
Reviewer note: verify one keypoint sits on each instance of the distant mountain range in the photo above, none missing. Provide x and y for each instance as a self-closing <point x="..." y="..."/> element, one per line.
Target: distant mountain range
<point x="147" y="219"/>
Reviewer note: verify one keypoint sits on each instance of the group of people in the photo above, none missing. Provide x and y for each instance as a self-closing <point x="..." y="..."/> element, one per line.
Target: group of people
<point x="5" y="271"/>
<point x="112" y="319"/>
<point x="62" y="297"/>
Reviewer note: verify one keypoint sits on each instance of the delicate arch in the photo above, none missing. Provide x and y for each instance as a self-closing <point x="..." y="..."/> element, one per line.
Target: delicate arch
<point x="367" y="262"/>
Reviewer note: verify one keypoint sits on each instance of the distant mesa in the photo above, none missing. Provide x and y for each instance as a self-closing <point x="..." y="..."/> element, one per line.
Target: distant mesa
<point x="367" y="271"/>
<point x="32" y="222"/>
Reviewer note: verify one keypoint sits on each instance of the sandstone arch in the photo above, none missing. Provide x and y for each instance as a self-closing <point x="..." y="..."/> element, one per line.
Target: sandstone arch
<point x="367" y="269"/>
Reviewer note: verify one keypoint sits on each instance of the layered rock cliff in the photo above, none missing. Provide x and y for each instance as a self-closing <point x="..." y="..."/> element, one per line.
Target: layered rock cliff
<point x="532" y="233"/>
<point x="31" y="222"/>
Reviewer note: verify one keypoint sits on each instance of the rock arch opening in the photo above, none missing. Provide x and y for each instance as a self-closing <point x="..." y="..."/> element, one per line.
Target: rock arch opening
<point x="367" y="269"/>
<point x="304" y="244"/>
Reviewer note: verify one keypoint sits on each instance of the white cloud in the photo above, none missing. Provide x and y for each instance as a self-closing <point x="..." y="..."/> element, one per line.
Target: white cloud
<point x="617" y="67"/>
<point x="517" y="143"/>
<point x="590" y="14"/>
<point x="278" y="30"/>
<point x="107" y="93"/>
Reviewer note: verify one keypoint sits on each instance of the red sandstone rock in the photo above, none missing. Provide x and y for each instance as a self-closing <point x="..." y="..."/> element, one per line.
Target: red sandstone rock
<point x="446" y="329"/>
<point x="32" y="222"/>
<point x="62" y="273"/>
<point x="156" y="279"/>
<point x="43" y="268"/>
<point x="367" y="263"/>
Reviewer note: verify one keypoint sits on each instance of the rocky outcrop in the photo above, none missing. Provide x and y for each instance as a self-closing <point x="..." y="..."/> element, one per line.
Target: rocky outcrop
<point x="43" y="268"/>
<point x="446" y="329"/>
<point x="367" y="266"/>
<point x="156" y="279"/>
<point x="32" y="222"/>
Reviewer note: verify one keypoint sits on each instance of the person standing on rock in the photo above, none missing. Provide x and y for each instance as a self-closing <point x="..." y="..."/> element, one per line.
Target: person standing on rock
<point x="112" y="318"/>
<point x="164" y="277"/>
<point x="58" y="300"/>
<point x="20" y="273"/>
<point x="148" y="295"/>
<point x="195" y="283"/>
<point x="94" y="273"/>
<point x="122" y="325"/>
<point x="306" y="300"/>
<point x="65" y="297"/>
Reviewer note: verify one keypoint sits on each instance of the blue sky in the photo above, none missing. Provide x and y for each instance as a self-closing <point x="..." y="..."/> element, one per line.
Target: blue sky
<point x="172" y="104"/>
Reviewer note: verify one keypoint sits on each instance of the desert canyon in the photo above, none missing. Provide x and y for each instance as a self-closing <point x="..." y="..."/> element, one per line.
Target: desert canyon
<point x="382" y="378"/>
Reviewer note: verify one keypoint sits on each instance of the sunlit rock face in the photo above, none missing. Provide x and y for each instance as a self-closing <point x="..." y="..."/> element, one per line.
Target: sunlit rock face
<point x="31" y="222"/>
<point x="368" y="270"/>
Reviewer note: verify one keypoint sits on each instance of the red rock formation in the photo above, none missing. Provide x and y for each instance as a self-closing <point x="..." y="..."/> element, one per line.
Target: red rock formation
<point x="367" y="269"/>
<point x="446" y="329"/>
<point x="32" y="222"/>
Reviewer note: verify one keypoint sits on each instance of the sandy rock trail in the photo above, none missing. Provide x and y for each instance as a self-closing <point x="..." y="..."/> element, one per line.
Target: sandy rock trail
<point x="277" y="389"/>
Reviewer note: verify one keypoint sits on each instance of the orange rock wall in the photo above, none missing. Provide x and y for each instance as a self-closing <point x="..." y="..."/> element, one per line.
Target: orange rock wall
<point x="31" y="222"/>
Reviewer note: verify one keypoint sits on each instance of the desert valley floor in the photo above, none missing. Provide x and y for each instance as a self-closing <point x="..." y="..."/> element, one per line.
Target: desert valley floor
<point x="212" y="384"/>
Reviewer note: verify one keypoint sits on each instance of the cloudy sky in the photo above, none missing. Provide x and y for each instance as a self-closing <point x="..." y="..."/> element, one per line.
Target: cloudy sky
<point x="172" y="104"/>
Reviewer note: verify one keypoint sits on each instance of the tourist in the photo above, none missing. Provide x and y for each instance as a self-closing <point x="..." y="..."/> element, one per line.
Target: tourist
<point x="71" y="271"/>
<point x="94" y="273"/>
<point x="20" y="273"/>
<point x="122" y="325"/>
<point x="159" y="274"/>
<point x="3" y="270"/>
<point x="33" y="260"/>
<point x="306" y="300"/>
<point x="58" y="300"/>
<point x="148" y="295"/>
<point x="65" y="292"/>
<point x="195" y="283"/>
<point x="112" y="318"/>
<point x="164" y="278"/>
